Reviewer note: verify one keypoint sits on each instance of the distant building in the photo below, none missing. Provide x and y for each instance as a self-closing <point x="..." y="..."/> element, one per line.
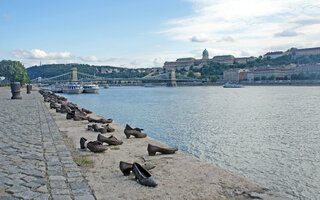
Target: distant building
<point x="244" y="60"/>
<point x="197" y="74"/>
<point x="303" y="52"/>
<point x="187" y="63"/>
<point x="267" y="74"/>
<point x="235" y="75"/>
<point x="224" y="59"/>
<point x="306" y="69"/>
<point x="273" y="55"/>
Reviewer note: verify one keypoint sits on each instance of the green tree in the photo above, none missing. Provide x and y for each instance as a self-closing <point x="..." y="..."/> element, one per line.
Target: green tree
<point x="272" y="77"/>
<point x="257" y="78"/>
<point x="263" y="78"/>
<point x="14" y="71"/>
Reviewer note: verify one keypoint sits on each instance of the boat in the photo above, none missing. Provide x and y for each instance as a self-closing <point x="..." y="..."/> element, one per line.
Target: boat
<point x="56" y="88"/>
<point x="106" y="86"/>
<point x="72" y="89"/>
<point x="148" y="85"/>
<point x="90" y="88"/>
<point x="230" y="85"/>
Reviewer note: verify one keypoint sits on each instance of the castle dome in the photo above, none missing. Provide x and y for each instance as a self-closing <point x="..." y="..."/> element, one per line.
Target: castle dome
<point x="205" y="54"/>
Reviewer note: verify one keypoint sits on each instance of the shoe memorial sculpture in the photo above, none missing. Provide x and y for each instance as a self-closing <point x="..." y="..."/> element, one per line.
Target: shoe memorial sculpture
<point x="152" y="150"/>
<point x="109" y="128"/>
<point x="126" y="168"/>
<point x="101" y="120"/>
<point x="136" y="132"/>
<point x="94" y="146"/>
<point x="143" y="176"/>
<point x="109" y="140"/>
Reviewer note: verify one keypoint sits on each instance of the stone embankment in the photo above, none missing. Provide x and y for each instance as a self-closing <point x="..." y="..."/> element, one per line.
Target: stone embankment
<point x="39" y="147"/>
<point x="34" y="160"/>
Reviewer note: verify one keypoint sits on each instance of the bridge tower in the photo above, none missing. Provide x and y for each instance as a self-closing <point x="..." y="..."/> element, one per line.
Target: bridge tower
<point x="74" y="74"/>
<point x="172" y="79"/>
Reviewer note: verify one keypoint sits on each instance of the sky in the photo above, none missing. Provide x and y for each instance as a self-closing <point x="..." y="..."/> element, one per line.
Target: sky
<point x="146" y="33"/>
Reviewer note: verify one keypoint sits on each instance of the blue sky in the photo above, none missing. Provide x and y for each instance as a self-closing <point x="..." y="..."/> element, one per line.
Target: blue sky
<point x="145" y="33"/>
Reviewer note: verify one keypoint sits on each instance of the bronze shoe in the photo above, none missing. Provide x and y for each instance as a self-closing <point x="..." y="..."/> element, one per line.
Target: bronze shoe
<point x="104" y="121"/>
<point x="82" y="141"/>
<point x="86" y="111"/>
<point x="109" y="128"/>
<point x="96" y="147"/>
<point x="109" y="140"/>
<point x="143" y="176"/>
<point x="128" y="131"/>
<point x="102" y="130"/>
<point x="127" y="167"/>
<point x="70" y="115"/>
<point x="152" y="150"/>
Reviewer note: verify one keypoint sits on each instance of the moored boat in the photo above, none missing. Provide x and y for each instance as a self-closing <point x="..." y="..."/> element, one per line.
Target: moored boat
<point x="72" y="89"/>
<point x="91" y="88"/>
<point x="229" y="85"/>
<point x="56" y="88"/>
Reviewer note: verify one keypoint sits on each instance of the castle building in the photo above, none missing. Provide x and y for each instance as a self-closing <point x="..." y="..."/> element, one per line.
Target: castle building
<point x="187" y="63"/>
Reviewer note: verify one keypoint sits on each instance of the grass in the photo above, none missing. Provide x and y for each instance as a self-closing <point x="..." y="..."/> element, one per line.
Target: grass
<point x="115" y="148"/>
<point x="82" y="161"/>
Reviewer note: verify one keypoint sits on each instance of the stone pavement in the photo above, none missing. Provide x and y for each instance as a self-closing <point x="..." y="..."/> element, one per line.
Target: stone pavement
<point x="34" y="161"/>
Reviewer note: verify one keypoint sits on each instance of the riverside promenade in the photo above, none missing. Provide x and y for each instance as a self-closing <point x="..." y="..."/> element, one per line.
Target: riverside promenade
<point x="37" y="145"/>
<point x="34" y="161"/>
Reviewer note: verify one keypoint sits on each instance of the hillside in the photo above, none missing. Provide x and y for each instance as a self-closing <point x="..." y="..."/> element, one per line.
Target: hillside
<point x="46" y="71"/>
<point x="214" y="70"/>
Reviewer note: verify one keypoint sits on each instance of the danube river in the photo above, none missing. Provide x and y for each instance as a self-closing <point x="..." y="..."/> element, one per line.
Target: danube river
<point x="270" y="135"/>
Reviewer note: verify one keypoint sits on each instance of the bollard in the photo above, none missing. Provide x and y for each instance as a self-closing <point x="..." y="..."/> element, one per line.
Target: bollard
<point x="29" y="88"/>
<point x="15" y="90"/>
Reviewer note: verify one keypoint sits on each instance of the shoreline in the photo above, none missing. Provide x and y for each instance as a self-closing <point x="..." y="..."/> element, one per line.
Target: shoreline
<point x="180" y="176"/>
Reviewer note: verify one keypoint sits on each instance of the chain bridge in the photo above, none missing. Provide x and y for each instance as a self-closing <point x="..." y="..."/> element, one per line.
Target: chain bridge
<point x="75" y="76"/>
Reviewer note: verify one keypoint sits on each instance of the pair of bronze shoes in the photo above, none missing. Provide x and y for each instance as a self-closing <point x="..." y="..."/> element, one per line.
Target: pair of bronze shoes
<point x="101" y="120"/>
<point x="142" y="175"/>
<point x="94" y="146"/>
<point x="136" y="132"/>
<point x="152" y="150"/>
<point x="104" y="129"/>
<point x="112" y="140"/>
<point x="76" y="115"/>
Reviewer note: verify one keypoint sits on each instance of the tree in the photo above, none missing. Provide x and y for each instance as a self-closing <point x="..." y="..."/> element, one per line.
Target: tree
<point x="14" y="71"/>
<point x="257" y="78"/>
<point x="214" y="79"/>
<point x="272" y="77"/>
<point x="263" y="78"/>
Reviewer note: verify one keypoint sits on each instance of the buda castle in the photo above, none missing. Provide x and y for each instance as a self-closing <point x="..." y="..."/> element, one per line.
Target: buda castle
<point x="186" y="63"/>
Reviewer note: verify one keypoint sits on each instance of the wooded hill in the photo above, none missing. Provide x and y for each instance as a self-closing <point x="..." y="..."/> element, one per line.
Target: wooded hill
<point x="50" y="70"/>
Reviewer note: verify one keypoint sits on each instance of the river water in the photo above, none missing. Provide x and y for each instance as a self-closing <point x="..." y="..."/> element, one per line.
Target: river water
<point x="270" y="135"/>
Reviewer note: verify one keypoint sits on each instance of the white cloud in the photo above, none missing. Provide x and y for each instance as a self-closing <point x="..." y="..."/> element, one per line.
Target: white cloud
<point x="226" y="39"/>
<point x="158" y="62"/>
<point x="35" y="56"/>
<point x="40" y="54"/>
<point x="199" y="38"/>
<point x="253" y="23"/>
<point x="286" y="33"/>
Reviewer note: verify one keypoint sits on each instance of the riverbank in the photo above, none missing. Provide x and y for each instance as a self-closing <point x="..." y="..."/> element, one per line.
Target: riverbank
<point x="180" y="176"/>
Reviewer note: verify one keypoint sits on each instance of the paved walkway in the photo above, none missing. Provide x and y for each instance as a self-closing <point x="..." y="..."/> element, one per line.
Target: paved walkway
<point x="34" y="161"/>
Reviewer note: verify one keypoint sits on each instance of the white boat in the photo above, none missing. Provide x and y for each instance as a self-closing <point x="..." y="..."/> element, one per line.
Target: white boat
<point x="148" y="85"/>
<point x="56" y="88"/>
<point x="106" y="86"/>
<point x="229" y="85"/>
<point x="72" y="89"/>
<point x="90" y="88"/>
